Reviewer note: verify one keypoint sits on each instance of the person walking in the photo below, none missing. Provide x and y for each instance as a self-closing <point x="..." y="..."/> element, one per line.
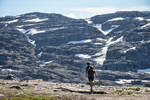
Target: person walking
<point x="90" y="73"/>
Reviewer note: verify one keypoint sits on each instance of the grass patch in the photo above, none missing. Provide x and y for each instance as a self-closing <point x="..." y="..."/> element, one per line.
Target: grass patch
<point x="48" y="98"/>
<point x="97" y="95"/>
<point x="123" y="92"/>
<point x="9" y="92"/>
<point x="135" y="89"/>
<point x="33" y="98"/>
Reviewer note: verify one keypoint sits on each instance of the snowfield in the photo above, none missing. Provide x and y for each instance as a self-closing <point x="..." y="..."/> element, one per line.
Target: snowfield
<point x="9" y="22"/>
<point x="25" y="25"/>
<point x="103" y="52"/>
<point x="105" y="32"/>
<point x="80" y="42"/>
<point x="139" y="18"/>
<point x="31" y="31"/>
<point x="146" y="25"/>
<point x="9" y="70"/>
<point x="124" y="81"/>
<point x="144" y="71"/>
<point x="45" y="63"/>
<point x="88" y="20"/>
<point x="116" y="19"/>
<point x="85" y="56"/>
<point x="133" y="48"/>
<point x="56" y="28"/>
<point x="28" y="39"/>
<point x="36" y="20"/>
<point x="35" y="31"/>
<point x="102" y="56"/>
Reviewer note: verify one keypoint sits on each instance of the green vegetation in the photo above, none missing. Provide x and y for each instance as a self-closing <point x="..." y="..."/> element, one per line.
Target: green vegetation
<point x="135" y="89"/>
<point x="9" y="92"/>
<point x="129" y="91"/>
<point x="99" y="83"/>
<point x="123" y="92"/>
<point x="33" y="98"/>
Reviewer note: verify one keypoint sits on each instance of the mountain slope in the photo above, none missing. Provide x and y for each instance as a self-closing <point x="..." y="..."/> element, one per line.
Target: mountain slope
<point x="129" y="34"/>
<point x="54" y="47"/>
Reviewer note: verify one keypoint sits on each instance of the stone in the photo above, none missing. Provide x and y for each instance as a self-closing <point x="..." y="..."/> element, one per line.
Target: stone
<point x="16" y="87"/>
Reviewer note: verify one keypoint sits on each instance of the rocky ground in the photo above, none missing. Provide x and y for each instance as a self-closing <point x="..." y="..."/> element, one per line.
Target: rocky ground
<point x="67" y="91"/>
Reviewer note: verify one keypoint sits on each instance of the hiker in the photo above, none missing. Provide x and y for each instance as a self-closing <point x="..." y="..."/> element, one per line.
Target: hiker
<point x="90" y="72"/>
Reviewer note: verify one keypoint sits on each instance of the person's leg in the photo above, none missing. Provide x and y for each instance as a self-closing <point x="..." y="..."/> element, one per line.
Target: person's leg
<point x="91" y="85"/>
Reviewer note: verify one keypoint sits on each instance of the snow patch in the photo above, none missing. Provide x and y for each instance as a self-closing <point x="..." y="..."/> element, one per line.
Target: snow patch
<point x="6" y="25"/>
<point x="1" y="66"/>
<point x="88" y="20"/>
<point x="40" y="54"/>
<point x="9" y="22"/>
<point x="100" y="60"/>
<point x="18" y="16"/>
<point x="103" y="52"/>
<point x="85" y="56"/>
<point x="98" y="43"/>
<point x="133" y="48"/>
<point x="12" y="21"/>
<point x="48" y="62"/>
<point x="35" y="31"/>
<point x="9" y="70"/>
<point x="22" y="30"/>
<point x="115" y="26"/>
<point x="100" y="39"/>
<point x="98" y="70"/>
<point x="124" y="81"/>
<point x="31" y="31"/>
<point x="146" y="25"/>
<point x="80" y="42"/>
<point x="71" y="15"/>
<point x="25" y="25"/>
<point x="31" y="41"/>
<point x="146" y="81"/>
<point x="28" y="39"/>
<point x="139" y="18"/>
<point x="148" y="19"/>
<point x="105" y="32"/>
<point x="57" y="28"/>
<point x="143" y="42"/>
<point x="36" y="20"/>
<point x="116" y="19"/>
<point x="144" y="71"/>
<point x="20" y="26"/>
<point x="99" y="27"/>
<point x="45" y="63"/>
<point x="110" y="42"/>
<point x="110" y="30"/>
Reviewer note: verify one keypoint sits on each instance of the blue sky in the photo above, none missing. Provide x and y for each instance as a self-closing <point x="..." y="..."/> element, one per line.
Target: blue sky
<point x="72" y="8"/>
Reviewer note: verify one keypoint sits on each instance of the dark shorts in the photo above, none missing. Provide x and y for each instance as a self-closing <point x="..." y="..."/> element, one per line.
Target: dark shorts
<point x="91" y="78"/>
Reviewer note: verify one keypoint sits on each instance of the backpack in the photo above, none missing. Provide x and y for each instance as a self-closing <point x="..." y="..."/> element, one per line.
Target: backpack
<point x="91" y="72"/>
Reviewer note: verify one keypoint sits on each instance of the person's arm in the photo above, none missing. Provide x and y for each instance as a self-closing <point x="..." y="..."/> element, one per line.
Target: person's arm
<point x="96" y="75"/>
<point x="86" y="72"/>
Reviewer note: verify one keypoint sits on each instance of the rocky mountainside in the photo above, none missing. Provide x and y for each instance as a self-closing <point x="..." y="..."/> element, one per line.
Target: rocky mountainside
<point x="54" y="47"/>
<point x="128" y="40"/>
